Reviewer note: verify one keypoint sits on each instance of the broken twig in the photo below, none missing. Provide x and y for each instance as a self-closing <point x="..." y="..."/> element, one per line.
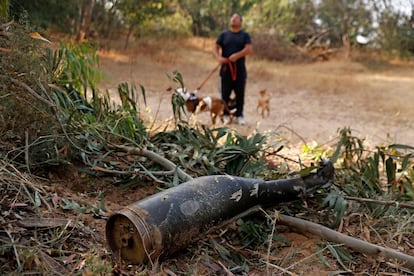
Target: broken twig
<point x="156" y="158"/>
<point x="356" y="244"/>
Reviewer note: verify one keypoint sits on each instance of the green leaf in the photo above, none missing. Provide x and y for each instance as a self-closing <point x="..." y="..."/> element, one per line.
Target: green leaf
<point x="340" y="255"/>
<point x="406" y="162"/>
<point x="401" y="146"/>
<point x="37" y="200"/>
<point x="391" y="169"/>
<point x="321" y="256"/>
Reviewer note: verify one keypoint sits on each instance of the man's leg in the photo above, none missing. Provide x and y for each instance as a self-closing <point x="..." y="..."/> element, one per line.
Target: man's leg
<point x="226" y="87"/>
<point x="239" y="90"/>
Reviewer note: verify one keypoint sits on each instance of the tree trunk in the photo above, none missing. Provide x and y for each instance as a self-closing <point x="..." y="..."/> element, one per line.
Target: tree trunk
<point x="4" y="9"/>
<point x="347" y="46"/>
<point x="130" y="31"/>
<point x="112" y="21"/>
<point x="86" y="14"/>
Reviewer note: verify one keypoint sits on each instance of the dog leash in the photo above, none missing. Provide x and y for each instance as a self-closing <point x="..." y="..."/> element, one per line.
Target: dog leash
<point x="209" y="76"/>
<point x="233" y="71"/>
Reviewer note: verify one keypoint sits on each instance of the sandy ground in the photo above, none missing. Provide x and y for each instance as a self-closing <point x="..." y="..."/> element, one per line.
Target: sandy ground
<point x="309" y="102"/>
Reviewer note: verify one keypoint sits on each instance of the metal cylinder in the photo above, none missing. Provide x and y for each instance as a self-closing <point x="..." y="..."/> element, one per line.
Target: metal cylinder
<point x="169" y="220"/>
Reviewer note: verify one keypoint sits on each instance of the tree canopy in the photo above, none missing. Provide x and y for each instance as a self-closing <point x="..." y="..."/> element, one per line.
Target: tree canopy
<point x="330" y="22"/>
<point x="54" y="117"/>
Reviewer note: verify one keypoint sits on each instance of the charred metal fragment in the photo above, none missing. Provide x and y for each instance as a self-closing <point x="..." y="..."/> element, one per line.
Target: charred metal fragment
<point x="167" y="221"/>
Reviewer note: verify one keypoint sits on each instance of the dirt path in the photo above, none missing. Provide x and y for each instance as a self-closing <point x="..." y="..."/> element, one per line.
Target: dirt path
<point x="309" y="101"/>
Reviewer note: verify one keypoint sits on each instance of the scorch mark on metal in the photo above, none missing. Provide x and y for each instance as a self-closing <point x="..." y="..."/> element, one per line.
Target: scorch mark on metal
<point x="255" y="190"/>
<point x="237" y="195"/>
<point x="298" y="188"/>
<point x="189" y="207"/>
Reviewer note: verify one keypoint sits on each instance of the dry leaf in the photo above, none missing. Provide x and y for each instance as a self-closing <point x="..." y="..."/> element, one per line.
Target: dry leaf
<point x="36" y="35"/>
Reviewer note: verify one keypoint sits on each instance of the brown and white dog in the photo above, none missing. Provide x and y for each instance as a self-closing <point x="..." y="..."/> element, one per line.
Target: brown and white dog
<point x="263" y="103"/>
<point x="196" y="104"/>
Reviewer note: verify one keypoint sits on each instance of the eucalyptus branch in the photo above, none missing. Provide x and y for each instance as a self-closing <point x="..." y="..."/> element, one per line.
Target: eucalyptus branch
<point x="381" y="202"/>
<point x="26" y="149"/>
<point x="286" y="158"/>
<point x="156" y="158"/>
<point x="294" y="132"/>
<point x="16" y="253"/>
<point x="28" y="89"/>
<point x="49" y="102"/>
<point x="111" y="171"/>
<point x="54" y="108"/>
<point x="356" y="244"/>
<point x="6" y="25"/>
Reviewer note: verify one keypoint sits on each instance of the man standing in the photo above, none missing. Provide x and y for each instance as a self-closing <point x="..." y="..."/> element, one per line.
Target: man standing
<point x="235" y="44"/>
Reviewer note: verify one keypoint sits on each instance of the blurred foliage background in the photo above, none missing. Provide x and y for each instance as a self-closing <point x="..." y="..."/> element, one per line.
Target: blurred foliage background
<point x="385" y="26"/>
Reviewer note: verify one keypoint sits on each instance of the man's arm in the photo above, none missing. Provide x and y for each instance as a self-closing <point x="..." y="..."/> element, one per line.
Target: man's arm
<point x="248" y="48"/>
<point x="217" y="55"/>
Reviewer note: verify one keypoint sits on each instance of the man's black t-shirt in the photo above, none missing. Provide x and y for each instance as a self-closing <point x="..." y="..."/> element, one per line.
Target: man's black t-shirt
<point x="231" y="43"/>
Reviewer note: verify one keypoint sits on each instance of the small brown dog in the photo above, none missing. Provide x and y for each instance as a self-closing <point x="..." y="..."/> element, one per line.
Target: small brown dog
<point x="263" y="103"/>
<point x="196" y="104"/>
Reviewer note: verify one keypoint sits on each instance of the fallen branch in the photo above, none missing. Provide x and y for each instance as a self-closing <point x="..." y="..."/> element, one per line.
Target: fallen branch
<point x="28" y="89"/>
<point x="294" y="132"/>
<point x="5" y="50"/>
<point x="6" y="25"/>
<point x="280" y="268"/>
<point x="26" y="149"/>
<point x="112" y="171"/>
<point x="356" y="244"/>
<point x="156" y="158"/>
<point x="381" y="202"/>
<point x="16" y="253"/>
<point x="55" y="112"/>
